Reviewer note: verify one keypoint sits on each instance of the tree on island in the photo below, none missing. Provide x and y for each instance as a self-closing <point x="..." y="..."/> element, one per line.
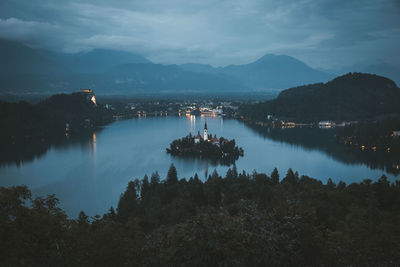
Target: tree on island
<point x="223" y="150"/>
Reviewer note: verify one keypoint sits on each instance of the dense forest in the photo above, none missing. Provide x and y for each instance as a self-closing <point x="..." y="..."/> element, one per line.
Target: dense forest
<point x="238" y="220"/>
<point x="354" y="96"/>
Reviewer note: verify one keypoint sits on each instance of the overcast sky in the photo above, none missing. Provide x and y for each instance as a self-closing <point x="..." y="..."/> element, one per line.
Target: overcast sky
<point x="322" y="33"/>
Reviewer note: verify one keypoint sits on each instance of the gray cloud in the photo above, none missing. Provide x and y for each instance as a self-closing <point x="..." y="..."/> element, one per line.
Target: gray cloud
<point x="323" y="33"/>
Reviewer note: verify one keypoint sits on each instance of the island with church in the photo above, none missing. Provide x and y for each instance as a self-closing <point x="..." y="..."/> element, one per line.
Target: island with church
<point x="207" y="146"/>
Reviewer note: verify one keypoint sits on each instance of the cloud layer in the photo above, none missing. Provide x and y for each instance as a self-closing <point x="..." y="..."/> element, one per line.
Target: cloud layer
<point x="324" y="33"/>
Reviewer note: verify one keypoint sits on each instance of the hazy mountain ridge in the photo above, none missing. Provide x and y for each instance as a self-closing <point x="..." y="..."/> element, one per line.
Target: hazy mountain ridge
<point x="107" y="71"/>
<point x="277" y="72"/>
<point x="17" y="59"/>
<point x="165" y="78"/>
<point x="354" y="96"/>
<point x="269" y="72"/>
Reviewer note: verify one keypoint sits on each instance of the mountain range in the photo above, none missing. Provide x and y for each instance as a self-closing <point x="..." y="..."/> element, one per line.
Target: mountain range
<point x="24" y="69"/>
<point x="269" y="72"/>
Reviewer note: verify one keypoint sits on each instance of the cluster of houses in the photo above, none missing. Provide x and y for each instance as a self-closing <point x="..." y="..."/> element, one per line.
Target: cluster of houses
<point x="290" y="124"/>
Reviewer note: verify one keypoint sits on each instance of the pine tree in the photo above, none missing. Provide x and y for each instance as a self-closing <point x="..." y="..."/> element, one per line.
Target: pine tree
<point x="155" y="178"/>
<point x="196" y="178"/>
<point x="290" y="177"/>
<point x="127" y="205"/>
<point x="229" y="174"/>
<point x="83" y="218"/>
<point x="234" y="171"/>
<point x="215" y="174"/>
<point x="172" y="176"/>
<point x="145" y="187"/>
<point x="331" y="184"/>
<point x="275" y="176"/>
<point x="111" y="215"/>
<point x="341" y="185"/>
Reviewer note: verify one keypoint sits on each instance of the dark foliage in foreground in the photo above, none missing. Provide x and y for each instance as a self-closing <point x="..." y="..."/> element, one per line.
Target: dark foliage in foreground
<point x="239" y="220"/>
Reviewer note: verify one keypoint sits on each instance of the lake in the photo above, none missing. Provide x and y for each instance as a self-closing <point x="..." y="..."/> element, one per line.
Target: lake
<point x="91" y="173"/>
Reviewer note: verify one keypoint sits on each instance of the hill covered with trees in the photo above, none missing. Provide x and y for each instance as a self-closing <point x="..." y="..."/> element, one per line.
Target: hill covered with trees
<point x="239" y="220"/>
<point x="26" y="128"/>
<point x="50" y="116"/>
<point x="354" y="96"/>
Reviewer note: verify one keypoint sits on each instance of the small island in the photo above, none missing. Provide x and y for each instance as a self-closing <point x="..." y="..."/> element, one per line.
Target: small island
<point x="222" y="150"/>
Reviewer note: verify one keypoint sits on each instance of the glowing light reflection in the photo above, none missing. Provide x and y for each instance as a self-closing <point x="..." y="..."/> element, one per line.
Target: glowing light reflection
<point x="93" y="147"/>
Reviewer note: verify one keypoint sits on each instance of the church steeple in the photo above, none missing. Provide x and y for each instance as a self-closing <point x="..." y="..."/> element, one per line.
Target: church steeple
<point x="205" y="132"/>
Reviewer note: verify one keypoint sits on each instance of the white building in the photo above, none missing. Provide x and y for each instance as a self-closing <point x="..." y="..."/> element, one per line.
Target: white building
<point x="197" y="138"/>
<point x="326" y="124"/>
<point x="205" y="132"/>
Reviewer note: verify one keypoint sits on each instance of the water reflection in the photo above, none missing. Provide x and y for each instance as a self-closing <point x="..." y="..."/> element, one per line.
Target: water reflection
<point x="25" y="151"/>
<point x="93" y="147"/>
<point x="90" y="172"/>
<point x="325" y="140"/>
<point x="308" y="138"/>
<point x="191" y="120"/>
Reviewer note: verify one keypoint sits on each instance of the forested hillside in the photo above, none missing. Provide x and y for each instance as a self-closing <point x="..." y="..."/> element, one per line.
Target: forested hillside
<point x="354" y="96"/>
<point x="240" y="220"/>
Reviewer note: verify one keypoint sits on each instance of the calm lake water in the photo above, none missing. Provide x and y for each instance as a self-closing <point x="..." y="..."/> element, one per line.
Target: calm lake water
<point x="91" y="174"/>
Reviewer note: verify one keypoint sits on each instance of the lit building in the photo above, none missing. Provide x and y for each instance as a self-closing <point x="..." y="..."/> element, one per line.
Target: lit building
<point x="89" y="95"/>
<point x="205" y="132"/>
<point x="208" y="138"/>
<point x="197" y="138"/>
<point x="326" y="124"/>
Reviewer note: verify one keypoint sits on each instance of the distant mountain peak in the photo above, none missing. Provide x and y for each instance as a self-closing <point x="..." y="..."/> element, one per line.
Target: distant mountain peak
<point x="278" y="59"/>
<point x="267" y="57"/>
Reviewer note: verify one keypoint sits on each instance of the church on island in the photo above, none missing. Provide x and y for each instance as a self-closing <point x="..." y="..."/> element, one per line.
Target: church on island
<point x="205" y="137"/>
<point x="221" y="150"/>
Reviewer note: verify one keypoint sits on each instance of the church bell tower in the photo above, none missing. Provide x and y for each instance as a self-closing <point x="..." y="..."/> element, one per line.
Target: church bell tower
<point x="205" y="132"/>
